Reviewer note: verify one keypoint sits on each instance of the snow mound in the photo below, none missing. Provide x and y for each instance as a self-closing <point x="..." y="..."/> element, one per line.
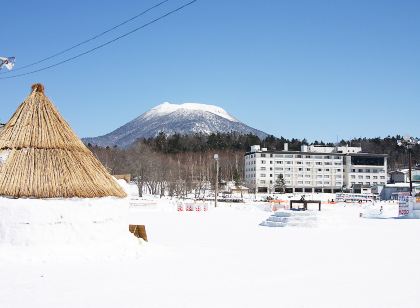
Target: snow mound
<point x="95" y="226"/>
<point x="291" y="219"/>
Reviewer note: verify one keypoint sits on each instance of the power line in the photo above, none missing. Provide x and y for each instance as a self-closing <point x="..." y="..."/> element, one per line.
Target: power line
<point x="88" y="40"/>
<point x="104" y="44"/>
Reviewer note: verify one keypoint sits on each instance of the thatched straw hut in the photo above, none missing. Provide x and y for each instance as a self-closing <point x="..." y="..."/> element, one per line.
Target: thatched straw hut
<point x="41" y="157"/>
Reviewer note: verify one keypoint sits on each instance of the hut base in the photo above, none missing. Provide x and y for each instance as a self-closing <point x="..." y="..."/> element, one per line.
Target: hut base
<point x="94" y="225"/>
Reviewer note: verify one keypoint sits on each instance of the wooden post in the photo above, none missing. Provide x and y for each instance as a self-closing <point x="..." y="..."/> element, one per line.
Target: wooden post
<point x="138" y="231"/>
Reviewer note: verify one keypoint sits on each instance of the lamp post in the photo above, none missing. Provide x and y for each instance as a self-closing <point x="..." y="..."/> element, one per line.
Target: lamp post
<point x="216" y="190"/>
<point x="409" y="143"/>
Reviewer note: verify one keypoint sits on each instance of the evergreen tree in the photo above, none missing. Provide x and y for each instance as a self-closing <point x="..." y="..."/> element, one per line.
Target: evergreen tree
<point x="280" y="184"/>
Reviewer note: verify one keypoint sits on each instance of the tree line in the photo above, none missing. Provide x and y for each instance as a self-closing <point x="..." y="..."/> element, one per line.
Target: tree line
<point x="181" y="164"/>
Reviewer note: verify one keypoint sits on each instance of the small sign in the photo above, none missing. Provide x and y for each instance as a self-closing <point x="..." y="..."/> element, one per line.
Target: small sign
<point x="405" y="204"/>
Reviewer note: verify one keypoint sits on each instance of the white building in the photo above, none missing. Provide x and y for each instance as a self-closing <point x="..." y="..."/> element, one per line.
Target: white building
<point x="313" y="169"/>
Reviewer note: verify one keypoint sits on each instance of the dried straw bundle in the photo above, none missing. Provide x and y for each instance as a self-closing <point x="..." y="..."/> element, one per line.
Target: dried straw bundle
<point x="46" y="159"/>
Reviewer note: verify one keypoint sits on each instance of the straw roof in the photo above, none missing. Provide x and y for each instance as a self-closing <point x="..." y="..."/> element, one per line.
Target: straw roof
<point x="41" y="157"/>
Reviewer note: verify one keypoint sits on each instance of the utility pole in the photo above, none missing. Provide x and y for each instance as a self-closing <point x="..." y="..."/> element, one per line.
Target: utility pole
<point x="216" y="191"/>
<point x="409" y="171"/>
<point x="409" y="143"/>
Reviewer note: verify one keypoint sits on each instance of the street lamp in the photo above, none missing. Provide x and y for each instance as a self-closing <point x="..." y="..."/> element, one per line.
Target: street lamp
<point x="216" y="191"/>
<point x="409" y="142"/>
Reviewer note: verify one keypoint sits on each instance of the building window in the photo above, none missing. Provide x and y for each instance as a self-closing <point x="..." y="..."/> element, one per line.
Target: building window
<point x="262" y="168"/>
<point x="262" y="155"/>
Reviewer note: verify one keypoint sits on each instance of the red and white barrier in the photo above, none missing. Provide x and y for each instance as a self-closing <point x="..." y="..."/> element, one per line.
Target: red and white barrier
<point x="192" y="207"/>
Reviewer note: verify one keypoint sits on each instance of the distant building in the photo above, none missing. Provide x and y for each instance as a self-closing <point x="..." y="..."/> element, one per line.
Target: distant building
<point x="1" y="126"/>
<point x="402" y="176"/>
<point x="314" y="169"/>
<point x="398" y="176"/>
<point x="391" y="191"/>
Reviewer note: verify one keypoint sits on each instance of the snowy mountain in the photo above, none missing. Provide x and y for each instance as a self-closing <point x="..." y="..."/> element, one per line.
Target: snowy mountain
<point x="189" y="118"/>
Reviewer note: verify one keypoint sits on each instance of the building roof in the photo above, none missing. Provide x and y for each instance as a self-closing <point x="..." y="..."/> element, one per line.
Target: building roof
<point x="367" y="154"/>
<point x="317" y="153"/>
<point x="42" y="157"/>
<point x="400" y="185"/>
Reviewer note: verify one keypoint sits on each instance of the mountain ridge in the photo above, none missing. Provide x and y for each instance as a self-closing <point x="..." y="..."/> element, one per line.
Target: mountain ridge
<point x="185" y="119"/>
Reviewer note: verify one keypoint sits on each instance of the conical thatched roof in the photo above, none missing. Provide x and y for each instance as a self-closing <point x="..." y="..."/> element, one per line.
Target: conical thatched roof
<point x="41" y="157"/>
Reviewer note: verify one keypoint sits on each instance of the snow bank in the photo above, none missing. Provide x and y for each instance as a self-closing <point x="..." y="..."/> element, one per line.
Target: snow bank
<point x="94" y="225"/>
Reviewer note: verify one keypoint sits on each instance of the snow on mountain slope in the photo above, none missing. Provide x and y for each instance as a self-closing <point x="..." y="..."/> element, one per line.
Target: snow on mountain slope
<point x="188" y="118"/>
<point x="167" y="108"/>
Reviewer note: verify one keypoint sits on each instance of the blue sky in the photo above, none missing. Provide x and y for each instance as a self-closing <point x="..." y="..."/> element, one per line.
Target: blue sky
<point x="303" y="69"/>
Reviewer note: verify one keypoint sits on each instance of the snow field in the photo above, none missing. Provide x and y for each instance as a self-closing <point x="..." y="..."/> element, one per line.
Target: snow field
<point x="223" y="258"/>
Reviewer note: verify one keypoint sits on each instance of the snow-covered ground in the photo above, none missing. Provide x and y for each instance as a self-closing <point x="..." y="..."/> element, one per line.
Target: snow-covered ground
<point x="224" y="258"/>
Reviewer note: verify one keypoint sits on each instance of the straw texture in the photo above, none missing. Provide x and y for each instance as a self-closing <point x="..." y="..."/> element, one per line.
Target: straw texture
<point x="45" y="157"/>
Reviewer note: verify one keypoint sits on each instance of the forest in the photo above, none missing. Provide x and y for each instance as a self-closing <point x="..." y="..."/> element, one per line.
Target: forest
<point x="180" y="164"/>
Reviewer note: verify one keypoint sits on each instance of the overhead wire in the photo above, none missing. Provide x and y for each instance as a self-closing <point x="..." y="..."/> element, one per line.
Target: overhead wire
<point x="104" y="44"/>
<point x="98" y="35"/>
<point x="87" y="40"/>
